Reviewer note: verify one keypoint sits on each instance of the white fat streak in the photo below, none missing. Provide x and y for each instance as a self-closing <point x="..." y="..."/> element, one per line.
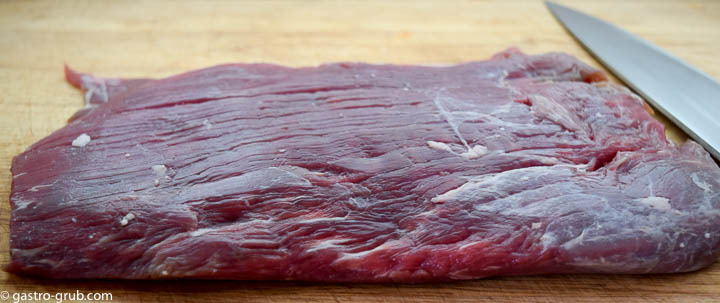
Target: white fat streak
<point x="384" y="246"/>
<point x="471" y="153"/>
<point x="466" y="245"/>
<point x="475" y="152"/>
<point x="575" y="242"/>
<point x="439" y="146"/>
<point x="450" y="120"/>
<point x="159" y="170"/>
<point x="427" y="213"/>
<point x="707" y="235"/>
<point x="81" y="140"/>
<point x="38" y="187"/>
<point x="93" y="87"/>
<point x="504" y="84"/>
<point x="359" y="202"/>
<point x="536" y="225"/>
<point x="548" y="239"/>
<point x="700" y="183"/>
<point x="489" y="182"/>
<point x="548" y="161"/>
<point x="207" y="124"/>
<point x="550" y="109"/>
<point x="105" y="239"/>
<point x="202" y="231"/>
<point x="52" y="263"/>
<point x="593" y="262"/>
<point x="659" y="203"/>
<point x="622" y="158"/>
<point x="21" y="203"/>
<point x="126" y="219"/>
<point x="24" y="253"/>
<point x="447" y="196"/>
<point x="20" y="174"/>
<point x="261" y="179"/>
<point x="332" y="243"/>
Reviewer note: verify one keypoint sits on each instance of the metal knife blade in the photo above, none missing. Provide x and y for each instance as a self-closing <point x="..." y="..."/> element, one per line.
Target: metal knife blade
<point x="684" y="94"/>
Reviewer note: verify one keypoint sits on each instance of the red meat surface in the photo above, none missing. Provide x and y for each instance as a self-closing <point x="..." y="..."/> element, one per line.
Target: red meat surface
<point x="356" y="172"/>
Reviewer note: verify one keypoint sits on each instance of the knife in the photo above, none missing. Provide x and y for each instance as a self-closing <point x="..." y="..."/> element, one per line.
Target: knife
<point x="684" y="94"/>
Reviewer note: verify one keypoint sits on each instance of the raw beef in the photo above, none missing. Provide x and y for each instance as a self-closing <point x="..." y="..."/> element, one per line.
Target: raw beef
<point x="356" y="172"/>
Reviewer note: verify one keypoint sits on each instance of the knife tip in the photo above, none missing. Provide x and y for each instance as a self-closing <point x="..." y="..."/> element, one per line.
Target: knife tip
<point x="557" y="9"/>
<point x="551" y="4"/>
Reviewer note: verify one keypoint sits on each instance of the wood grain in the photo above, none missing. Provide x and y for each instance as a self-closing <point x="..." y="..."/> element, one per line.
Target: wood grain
<point x="160" y="38"/>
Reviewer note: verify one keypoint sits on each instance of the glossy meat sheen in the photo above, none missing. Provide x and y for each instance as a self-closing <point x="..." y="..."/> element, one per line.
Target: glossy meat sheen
<point x="357" y="172"/>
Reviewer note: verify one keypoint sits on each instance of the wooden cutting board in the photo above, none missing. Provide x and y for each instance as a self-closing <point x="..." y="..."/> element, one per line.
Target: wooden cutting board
<point x="160" y="38"/>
